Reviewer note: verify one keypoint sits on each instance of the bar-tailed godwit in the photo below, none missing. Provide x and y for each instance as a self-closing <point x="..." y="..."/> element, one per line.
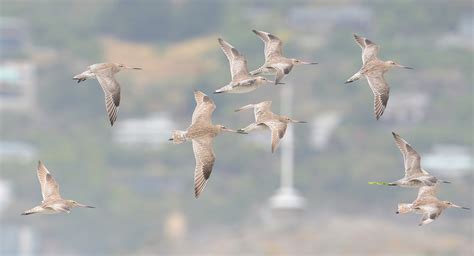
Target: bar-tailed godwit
<point x="415" y="176"/>
<point x="201" y="132"/>
<point x="373" y="69"/>
<point x="427" y="204"/>
<point x="52" y="200"/>
<point x="242" y="81"/>
<point x="104" y="73"/>
<point x="275" y="62"/>
<point x="265" y="118"/>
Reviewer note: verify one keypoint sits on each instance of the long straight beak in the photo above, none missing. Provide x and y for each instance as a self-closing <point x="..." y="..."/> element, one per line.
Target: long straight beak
<point x="401" y="66"/>
<point x="457" y="206"/>
<point x="300" y="122"/>
<point x="133" y="68"/>
<point x="308" y="63"/>
<point x="85" y="206"/>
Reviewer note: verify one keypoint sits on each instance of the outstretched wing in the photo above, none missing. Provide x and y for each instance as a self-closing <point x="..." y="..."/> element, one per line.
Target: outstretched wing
<point x="261" y="109"/>
<point x="205" y="158"/>
<point x="369" y="49"/>
<point x="278" y="131"/>
<point x="237" y="62"/>
<point x="427" y="191"/>
<point x="381" y="90"/>
<point x="111" y="89"/>
<point x="49" y="186"/>
<point x="204" y="108"/>
<point x="273" y="44"/>
<point x="411" y="158"/>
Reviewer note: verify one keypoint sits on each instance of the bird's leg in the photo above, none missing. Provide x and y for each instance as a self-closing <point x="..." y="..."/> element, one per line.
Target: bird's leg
<point x="248" y="128"/>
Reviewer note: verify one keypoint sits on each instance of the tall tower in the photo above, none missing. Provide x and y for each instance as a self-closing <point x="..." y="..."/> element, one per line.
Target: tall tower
<point x="287" y="197"/>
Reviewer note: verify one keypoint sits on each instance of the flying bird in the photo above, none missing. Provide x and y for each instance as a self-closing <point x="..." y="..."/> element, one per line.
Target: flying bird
<point x="201" y="132"/>
<point x="242" y="81"/>
<point x="265" y="118"/>
<point x="104" y="73"/>
<point x="52" y="200"/>
<point x="373" y="69"/>
<point x="415" y="175"/>
<point x="427" y="204"/>
<point x="275" y="62"/>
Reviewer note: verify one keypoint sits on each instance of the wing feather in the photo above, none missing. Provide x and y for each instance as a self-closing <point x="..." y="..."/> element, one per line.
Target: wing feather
<point x="111" y="89"/>
<point x="205" y="158"/>
<point x="49" y="186"/>
<point x="412" y="159"/>
<point x="381" y="91"/>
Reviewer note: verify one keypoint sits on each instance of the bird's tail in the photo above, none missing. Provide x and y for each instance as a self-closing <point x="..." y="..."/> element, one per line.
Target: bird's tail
<point x="224" y="89"/>
<point x="83" y="76"/>
<point x="178" y="137"/>
<point x="404" y="208"/>
<point x="32" y="210"/>
<point x="258" y="71"/>
<point x="353" y="78"/>
<point x="249" y="106"/>
<point x="381" y="183"/>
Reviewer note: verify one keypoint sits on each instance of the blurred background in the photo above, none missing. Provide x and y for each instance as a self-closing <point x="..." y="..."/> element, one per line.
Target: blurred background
<point x="142" y="185"/>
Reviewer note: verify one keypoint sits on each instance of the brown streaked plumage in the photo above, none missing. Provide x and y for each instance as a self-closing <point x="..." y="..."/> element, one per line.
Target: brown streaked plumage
<point x="242" y="81"/>
<point x="52" y="200"/>
<point x="415" y="175"/>
<point x="275" y="62"/>
<point x="427" y="204"/>
<point x="201" y="132"/>
<point x="373" y="69"/>
<point x="104" y="73"/>
<point x="264" y="117"/>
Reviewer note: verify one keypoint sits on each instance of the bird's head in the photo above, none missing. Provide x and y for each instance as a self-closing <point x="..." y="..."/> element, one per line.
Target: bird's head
<point x="261" y="79"/>
<point x="391" y="63"/>
<point x="449" y="204"/>
<point x="73" y="203"/>
<point x="121" y="66"/>
<point x="287" y="119"/>
<point x="222" y="128"/>
<point x="300" y="62"/>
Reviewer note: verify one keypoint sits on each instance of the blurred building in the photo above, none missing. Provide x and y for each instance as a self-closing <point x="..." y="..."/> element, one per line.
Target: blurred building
<point x="17" y="71"/>
<point x="461" y="37"/>
<point x="18" y="151"/>
<point x="14" y="39"/>
<point x="151" y="131"/>
<point x="408" y="107"/>
<point x="17" y="86"/>
<point x="5" y="195"/>
<point x="18" y="240"/>
<point x="449" y="160"/>
<point x="323" y="127"/>
<point x="327" y="18"/>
